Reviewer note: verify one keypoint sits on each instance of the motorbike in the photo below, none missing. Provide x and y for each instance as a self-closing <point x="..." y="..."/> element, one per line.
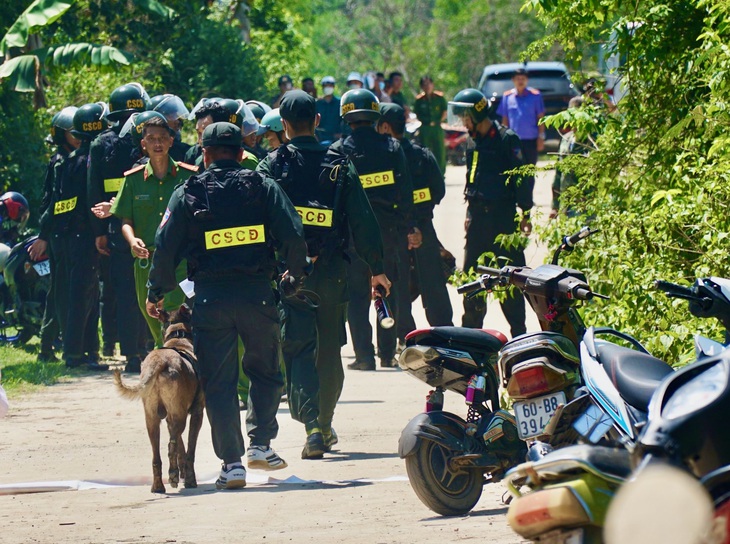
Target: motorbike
<point x="24" y="285"/>
<point x="570" y="489"/>
<point x="449" y="459"/>
<point x="456" y="140"/>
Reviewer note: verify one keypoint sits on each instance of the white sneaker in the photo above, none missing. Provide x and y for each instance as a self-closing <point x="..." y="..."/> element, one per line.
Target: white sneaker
<point x="265" y="458"/>
<point x="233" y="478"/>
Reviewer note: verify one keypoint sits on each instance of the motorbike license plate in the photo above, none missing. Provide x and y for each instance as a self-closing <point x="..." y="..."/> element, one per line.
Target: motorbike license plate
<point x="43" y="268"/>
<point x="534" y="414"/>
<point x="563" y="537"/>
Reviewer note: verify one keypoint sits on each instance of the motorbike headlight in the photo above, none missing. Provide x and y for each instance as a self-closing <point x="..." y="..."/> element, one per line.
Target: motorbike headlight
<point x="700" y="391"/>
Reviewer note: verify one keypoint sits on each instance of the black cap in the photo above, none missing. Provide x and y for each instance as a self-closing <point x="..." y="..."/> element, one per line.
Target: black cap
<point x="394" y="115"/>
<point x="225" y="134"/>
<point x="284" y="79"/>
<point x="522" y="71"/>
<point x="297" y="105"/>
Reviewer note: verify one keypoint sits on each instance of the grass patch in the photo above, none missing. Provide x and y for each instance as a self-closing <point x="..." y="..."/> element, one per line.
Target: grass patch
<point x="21" y="371"/>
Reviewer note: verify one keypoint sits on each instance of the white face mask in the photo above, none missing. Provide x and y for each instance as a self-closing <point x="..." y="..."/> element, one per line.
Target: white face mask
<point x="355" y="85"/>
<point x="328" y="91"/>
<point x="288" y="86"/>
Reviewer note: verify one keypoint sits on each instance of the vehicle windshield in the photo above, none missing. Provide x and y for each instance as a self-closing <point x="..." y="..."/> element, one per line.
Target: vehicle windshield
<point x="548" y="82"/>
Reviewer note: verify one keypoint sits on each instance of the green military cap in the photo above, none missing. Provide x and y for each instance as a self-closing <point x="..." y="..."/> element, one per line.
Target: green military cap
<point x="225" y="134"/>
<point x="393" y="114"/>
<point x="297" y="105"/>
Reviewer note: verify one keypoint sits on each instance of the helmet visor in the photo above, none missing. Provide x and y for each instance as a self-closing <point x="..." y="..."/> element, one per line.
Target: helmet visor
<point x="457" y="111"/>
<point x="128" y="126"/>
<point x="250" y="124"/>
<point x="173" y="108"/>
<point x="202" y="102"/>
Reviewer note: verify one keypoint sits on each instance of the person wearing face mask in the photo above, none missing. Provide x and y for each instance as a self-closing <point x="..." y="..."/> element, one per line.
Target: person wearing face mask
<point x="354" y="81"/>
<point x="492" y="197"/>
<point x="328" y="108"/>
<point x="376" y="83"/>
<point x="285" y="84"/>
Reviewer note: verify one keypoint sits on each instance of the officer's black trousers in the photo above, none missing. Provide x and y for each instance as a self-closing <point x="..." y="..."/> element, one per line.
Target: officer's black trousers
<point x="50" y="327"/>
<point x="486" y="223"/>
<point x="530" y="154"/>
<point x="131" y="326"/>
<point x="107" y="303"/>
<point x="430" y="284"/>
<point x="299" y="347"/>
<point x="77" y="293"/>
<point x="358" y="311"/>
<point x="225" y="311"/>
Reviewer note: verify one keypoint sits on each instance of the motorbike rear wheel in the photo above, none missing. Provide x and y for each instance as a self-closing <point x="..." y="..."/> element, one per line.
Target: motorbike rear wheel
<point x="444" y="490"/>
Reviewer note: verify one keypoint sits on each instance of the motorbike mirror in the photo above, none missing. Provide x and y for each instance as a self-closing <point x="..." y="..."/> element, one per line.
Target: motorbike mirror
<point x="663" y="504"/>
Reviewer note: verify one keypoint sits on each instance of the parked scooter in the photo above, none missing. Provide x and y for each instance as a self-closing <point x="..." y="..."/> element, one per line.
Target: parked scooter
<point x="23" y="288"/>
<point x="448" y="457"/>
<point x="571" y="488"/>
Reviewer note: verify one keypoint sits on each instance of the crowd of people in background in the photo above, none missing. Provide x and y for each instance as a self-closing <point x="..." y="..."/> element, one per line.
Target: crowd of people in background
<point x="137" y="221"/>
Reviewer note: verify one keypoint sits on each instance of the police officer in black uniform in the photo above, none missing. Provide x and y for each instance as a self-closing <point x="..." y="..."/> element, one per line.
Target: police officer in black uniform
<point x="428" y="190"/>
<point x="381" y="165"/>
<point x="227" y="221"/>
<point x="109" y="157"/>
<point x="325" y="189"/>
<point x="61" y="126"/>
<point x="492" y="198"/>
<point x="67" y="224"/>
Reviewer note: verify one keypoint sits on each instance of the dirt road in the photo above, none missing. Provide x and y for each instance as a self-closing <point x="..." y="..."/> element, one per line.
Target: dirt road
<point x="81" y="434"/>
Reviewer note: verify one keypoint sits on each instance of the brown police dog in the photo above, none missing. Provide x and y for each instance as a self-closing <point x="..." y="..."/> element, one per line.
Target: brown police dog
<point x="170" y="390"/>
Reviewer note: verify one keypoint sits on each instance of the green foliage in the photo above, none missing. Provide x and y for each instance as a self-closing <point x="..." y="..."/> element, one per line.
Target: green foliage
<point x="451" y="40"/>
<point x="22" y="151"/>
<point x="23" y="71"/>
<point x="39" y="14"/>
<point x="656" y="182"/>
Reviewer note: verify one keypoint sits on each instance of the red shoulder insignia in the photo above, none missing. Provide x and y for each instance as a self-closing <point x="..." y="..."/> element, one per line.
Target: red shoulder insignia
<point x="187" y="166"/>
<point x="438" y="93"/>
<point x="135" y="169"/>
<point x="511" y="91"/>
<point x="533" y="91"/>
<point x="420" y="95"/>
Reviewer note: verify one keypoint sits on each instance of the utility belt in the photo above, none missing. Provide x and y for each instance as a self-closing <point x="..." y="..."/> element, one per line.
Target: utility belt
<point x="213" y="277"/>
<point x="483" y="205"/>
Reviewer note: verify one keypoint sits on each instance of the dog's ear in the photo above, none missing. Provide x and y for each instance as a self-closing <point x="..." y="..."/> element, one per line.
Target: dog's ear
<point x="185" y="310"/>
<point x="164" y="316"/>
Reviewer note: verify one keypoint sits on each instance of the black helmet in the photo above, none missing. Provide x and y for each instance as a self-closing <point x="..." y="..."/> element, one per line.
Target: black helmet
<point x="239" y="114"/>
<point x="62" y="122"/>
<point x="359" y="105"/>
<point x="89" y="121"/>
<point x="135" y="124"/>
<point x="14" y="208"/>
<point x="259" y="109"/>
<point x="469" y="102"/>
<point x="126" y="100"/>
<point x="394" y="115"/>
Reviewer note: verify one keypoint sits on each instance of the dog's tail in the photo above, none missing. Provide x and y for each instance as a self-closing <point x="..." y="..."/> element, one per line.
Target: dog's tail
<point x="131" y="392"/>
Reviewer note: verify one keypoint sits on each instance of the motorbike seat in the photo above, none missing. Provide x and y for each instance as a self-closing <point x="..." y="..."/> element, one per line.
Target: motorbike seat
<point x="610" y="461"/>
<point x="470" y="337"/>
<point x="635" y="374"/>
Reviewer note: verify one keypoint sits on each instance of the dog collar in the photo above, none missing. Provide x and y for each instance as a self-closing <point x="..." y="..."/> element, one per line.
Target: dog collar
<point x="179" y="333"/>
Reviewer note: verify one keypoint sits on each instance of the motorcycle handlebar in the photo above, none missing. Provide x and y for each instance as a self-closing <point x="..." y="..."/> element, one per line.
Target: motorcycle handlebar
<point x="583" y="294"/>
<point x="674" y="290"/>
<point x="585" y="232"/>
<point x="489" y="270"/>
<point x="469" y="288"/>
